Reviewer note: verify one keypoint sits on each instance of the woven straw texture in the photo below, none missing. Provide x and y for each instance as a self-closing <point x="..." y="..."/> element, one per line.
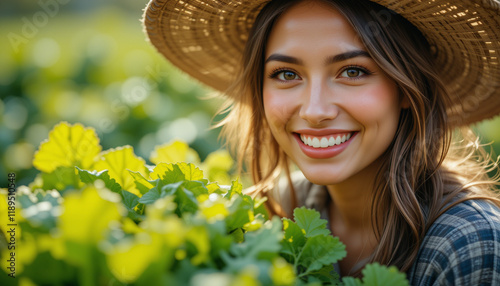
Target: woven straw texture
<point x="206" y="38"/>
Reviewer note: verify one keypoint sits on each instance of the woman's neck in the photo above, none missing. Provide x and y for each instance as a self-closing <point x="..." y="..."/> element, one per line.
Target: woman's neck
<point x="350" y="215"/>
<point x="351" y="203"/>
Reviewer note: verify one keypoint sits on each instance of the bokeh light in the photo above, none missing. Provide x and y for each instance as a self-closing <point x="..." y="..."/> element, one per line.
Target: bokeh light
<point x="15" y="114"/>
<point x="46" y="53"/>
<point x="89" y="62"/>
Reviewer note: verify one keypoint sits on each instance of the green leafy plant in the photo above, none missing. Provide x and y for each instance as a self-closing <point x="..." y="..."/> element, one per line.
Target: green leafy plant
<point x="95" y="217"/>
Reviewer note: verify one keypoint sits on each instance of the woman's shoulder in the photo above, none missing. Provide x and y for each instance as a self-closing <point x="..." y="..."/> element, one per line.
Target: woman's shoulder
<point x="462" y="247"/>
<point x="470" y="216"/>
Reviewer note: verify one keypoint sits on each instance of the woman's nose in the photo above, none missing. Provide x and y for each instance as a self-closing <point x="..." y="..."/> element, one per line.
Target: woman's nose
<point x="318" y="104"/>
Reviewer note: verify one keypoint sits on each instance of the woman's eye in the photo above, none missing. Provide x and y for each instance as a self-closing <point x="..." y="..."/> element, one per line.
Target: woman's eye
<point x="352" y="72"/>
<point x="287" y="75"/>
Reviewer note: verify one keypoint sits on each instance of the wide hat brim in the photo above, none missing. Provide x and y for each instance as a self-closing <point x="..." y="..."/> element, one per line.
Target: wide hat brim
<point x="206" y="39"/>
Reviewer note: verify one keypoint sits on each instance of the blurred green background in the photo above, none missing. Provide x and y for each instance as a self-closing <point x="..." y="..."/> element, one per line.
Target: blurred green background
<point x="88" y="61"/>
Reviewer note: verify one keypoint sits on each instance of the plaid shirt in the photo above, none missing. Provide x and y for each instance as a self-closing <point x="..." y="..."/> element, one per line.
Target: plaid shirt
<point x="462" y="247"/>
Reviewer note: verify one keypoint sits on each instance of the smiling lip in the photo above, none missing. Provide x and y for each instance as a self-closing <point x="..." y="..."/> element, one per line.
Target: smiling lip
<point x="326" y="143"/>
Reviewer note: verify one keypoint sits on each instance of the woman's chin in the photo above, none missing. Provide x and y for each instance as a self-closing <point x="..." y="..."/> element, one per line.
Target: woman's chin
<point x="323" y="178"/>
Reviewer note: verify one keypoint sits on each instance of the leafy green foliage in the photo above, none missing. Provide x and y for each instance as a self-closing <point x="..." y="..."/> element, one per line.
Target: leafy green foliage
<point x="132" y="224"/>
<point x="88" y="177"/>
<point x="309" y="221"/>
<point x="41" y="208"/>
<point x="376" y="274"/>
<point x="308" y="245"/>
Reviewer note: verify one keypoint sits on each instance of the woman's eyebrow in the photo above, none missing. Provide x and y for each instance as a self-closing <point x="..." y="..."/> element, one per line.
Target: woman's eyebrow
<point x="329" y="60"/>
<point x="346" y="56"/>
<point x="284" y="58"/>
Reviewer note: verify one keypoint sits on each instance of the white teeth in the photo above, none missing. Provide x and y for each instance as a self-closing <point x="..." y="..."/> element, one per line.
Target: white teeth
<point x="315" y="142"/>
<point x="324" y="142"/>
<point x="331" y="141"/>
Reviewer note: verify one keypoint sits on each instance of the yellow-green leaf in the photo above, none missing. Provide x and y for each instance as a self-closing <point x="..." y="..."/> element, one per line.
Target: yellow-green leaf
<point x="119" y="162"/>
<point x="25" y="252"/>
<point x="248" y="276"/>
<point x="236" y="188"/>
<point x="128" y="260"/>
<point x="4" y="218"/>
<point x="190" y="172"/>
<point x="199" y="237"/>
<point x="214" y="210"/>
<point x="217" y="166"/>
<point x="141" y="183"/>
<point x="68" y="146"/>
<point x="220" y="160"/>
<point x="86" y="215"/>
<point x="160" y="219"/>
<point x="281" y="272"/>
<point x="174" y="152"/>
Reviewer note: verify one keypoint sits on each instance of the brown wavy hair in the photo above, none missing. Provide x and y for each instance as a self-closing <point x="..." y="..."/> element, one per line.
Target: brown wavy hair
<point x="428" y="168"/>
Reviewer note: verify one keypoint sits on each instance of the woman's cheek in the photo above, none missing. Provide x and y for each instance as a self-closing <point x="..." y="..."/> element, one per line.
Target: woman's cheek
<point x="276" y="108"/>
<point x="377" y="103"/>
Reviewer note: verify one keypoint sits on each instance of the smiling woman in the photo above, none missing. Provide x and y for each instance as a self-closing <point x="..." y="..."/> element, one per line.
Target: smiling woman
<point x="364" y="100"/>
<point x="324" y="86"/>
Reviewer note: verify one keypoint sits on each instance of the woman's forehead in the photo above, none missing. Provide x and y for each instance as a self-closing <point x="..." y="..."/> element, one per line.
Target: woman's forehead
<point x="312" y="25"/>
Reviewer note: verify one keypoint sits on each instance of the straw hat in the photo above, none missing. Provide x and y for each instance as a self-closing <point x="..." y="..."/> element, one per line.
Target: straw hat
<point x="205" y="38"/>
